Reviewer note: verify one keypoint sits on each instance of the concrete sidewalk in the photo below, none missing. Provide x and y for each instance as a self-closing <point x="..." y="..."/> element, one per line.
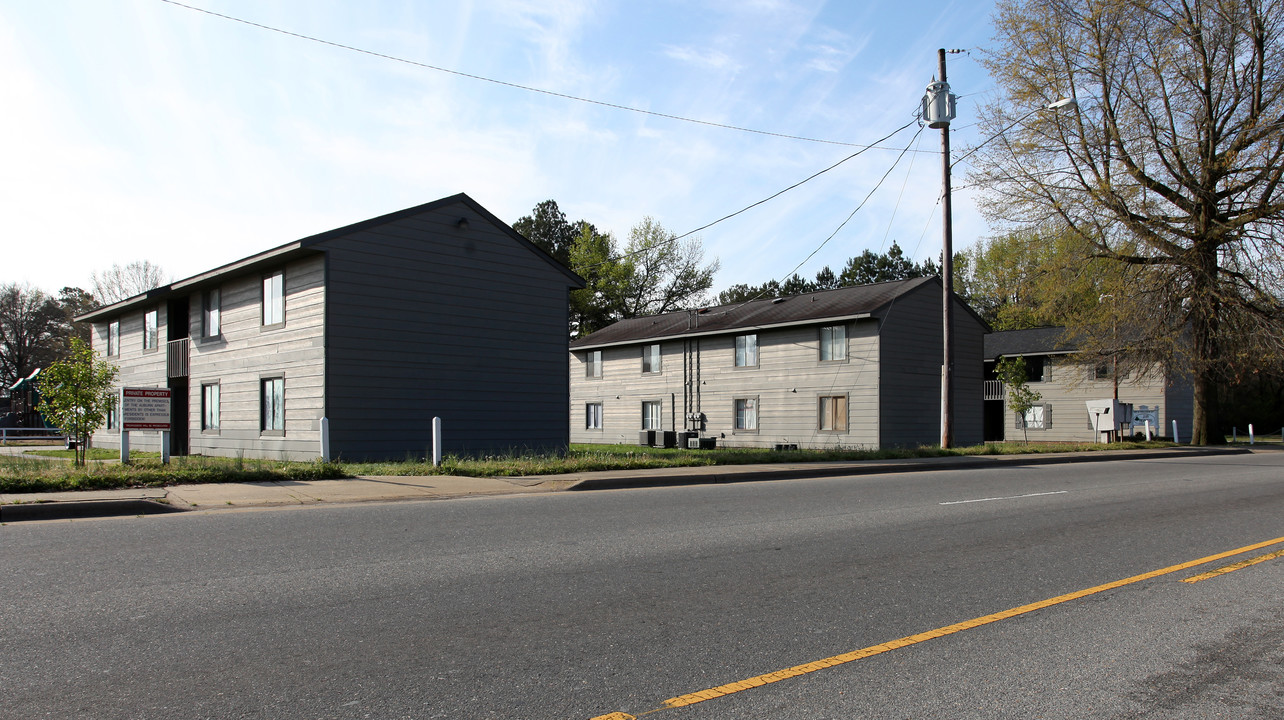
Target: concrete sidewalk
<point x="214" y="496"/>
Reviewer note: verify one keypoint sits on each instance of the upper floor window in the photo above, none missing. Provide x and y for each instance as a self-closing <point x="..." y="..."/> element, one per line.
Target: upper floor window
<point x="274" y="298"/>
<point x="1036" y="368"/>
<point x="151" y="329"/>
<point x="211" y="312"/>
<point x="593" y="364"/>
<point x="746" y="350"/>
<point x="833" y="343"/>
<point x="113" y="338"/>
<point x="651" y="358"/>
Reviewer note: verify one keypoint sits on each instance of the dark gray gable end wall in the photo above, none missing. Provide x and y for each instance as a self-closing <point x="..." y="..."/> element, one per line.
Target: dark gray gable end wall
<point x="425" y="319"/>
<point x="911" y="354"/>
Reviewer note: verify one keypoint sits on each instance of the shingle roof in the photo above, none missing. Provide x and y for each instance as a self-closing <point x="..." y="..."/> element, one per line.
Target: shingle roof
<point x="845" y="302"/>
<point x="1035" y="341"/>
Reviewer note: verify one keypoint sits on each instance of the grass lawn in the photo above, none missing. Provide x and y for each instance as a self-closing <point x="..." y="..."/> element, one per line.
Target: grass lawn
<point x="50" y="470"/>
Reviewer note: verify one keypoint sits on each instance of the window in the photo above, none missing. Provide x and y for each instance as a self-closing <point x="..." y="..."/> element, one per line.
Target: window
<point x="651" y="358"/>
<point x="274" y="298"/>
<point x="593" y="364"/>
<point x="211" y="310"/>
<point x="593" y="416"/>
<point x="1102" y="372"/>
<point x="746" y="351"/>
<point x="1036" y="368"/>
<point x="1038" y="417"/>
<point x="272" y="402"/>
<point x="832" y="413"/>
<point x="209" y="407"/>
<point x="651" y="411"/>
<point x="113" y="414"/>
<point x="113" y="338"/>
<point x="746" y="414"/>
<point x="151" y="330"/>
<point x="833" y="343"/>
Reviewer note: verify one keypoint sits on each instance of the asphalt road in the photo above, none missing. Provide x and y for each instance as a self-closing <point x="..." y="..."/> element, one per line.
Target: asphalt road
<point x="580" y="605"/>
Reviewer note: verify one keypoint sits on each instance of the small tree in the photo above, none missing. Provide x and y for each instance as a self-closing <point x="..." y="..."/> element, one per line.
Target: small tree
<point x="76" y="394"/>
<point x="1020" y="397"/>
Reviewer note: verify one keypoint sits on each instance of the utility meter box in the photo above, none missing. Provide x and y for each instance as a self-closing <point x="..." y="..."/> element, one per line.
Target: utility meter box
<point x="1108" y="416"/>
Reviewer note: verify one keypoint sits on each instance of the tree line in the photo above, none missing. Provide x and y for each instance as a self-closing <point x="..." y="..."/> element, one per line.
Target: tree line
<point x="37" y="329"/>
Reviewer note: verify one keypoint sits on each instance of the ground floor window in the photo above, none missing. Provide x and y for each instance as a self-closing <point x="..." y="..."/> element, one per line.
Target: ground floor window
<point x="1038" y="417"/>
<point x="272" y="403"/>
<point x="593" y="416"/>
<point x="210" y="407"/>
<point x="746" y="410"/>
<point x="651" y="411"/>
<point x="832" y="413"/>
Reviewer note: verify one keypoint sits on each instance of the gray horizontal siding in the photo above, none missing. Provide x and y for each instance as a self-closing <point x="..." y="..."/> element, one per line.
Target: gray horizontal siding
<point x="787" y="383"/>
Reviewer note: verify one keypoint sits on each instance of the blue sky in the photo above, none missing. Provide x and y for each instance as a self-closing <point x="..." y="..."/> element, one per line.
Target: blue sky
<point x="136" y="129"/>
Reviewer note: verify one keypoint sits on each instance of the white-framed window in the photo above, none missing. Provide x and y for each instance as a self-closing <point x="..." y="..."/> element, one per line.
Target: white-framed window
<point x="113" y="413"/>
<point x="832" y="413"/>
<point x="272" y="405"/>
<point x="746" y="413"/>
<point x="747" y="350"/>
<point x="151" y="329"/>
<point x="652" y="411"/>
<point x="211" y="313"/>
<point x="593" y="364"/>
<point x="593" y="416"/>
<point x="113" y="338"/>
<point x="274" y="298"/>
<point x="1038" y="417"/>
<point x="833" y="343"/>
<point x="210" y="407"/>
<point x="651" y="358"/>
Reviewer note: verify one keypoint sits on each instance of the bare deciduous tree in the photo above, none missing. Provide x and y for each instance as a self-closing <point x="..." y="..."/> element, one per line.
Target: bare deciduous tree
<point x="119" y="283"/>
<point x="1172" y="163"/>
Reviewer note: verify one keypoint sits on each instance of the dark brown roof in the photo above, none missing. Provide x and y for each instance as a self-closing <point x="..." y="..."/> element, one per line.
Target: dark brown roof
<point x="845" y="302"/>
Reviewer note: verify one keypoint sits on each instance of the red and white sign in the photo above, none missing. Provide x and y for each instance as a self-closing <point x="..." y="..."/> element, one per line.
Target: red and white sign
<point x="144" y="408"/>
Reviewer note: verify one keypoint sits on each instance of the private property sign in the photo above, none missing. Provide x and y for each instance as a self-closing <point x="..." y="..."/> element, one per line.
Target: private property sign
<point x="144" y="408"/>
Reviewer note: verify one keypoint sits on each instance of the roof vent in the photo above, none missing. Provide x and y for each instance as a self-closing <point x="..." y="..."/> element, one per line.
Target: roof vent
<point x="777" y="301"/>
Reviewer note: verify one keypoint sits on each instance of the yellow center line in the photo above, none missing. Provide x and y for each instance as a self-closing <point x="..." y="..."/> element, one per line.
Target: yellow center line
<point x="1233" y="567"/>
<point x="797" y="670"/>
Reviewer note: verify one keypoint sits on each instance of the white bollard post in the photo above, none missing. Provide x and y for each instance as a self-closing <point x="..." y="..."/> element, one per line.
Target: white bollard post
<point x="436" y="442"/>
<point x="1250" y="433"/>
<point x="1176" y="439"/>
<point x="325" y="439"/>
<point x="1234" y="435"/>
<point x="1147" y="431"/>
<point x="124" y="447"/>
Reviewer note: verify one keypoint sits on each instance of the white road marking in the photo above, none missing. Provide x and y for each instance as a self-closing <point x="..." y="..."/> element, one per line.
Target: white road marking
<point x="1010" y="497"/>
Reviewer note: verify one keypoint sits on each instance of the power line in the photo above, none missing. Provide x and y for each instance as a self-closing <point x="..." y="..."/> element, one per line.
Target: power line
<point x="517" y="86"/>
<point x="773" y="196"/>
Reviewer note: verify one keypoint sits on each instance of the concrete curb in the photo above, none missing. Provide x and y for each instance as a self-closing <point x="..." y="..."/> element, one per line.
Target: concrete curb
<point x="721" y="474"/>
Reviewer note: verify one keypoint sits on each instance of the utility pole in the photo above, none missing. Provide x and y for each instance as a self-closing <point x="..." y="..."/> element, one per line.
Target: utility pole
<point x="939" y="110"/>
